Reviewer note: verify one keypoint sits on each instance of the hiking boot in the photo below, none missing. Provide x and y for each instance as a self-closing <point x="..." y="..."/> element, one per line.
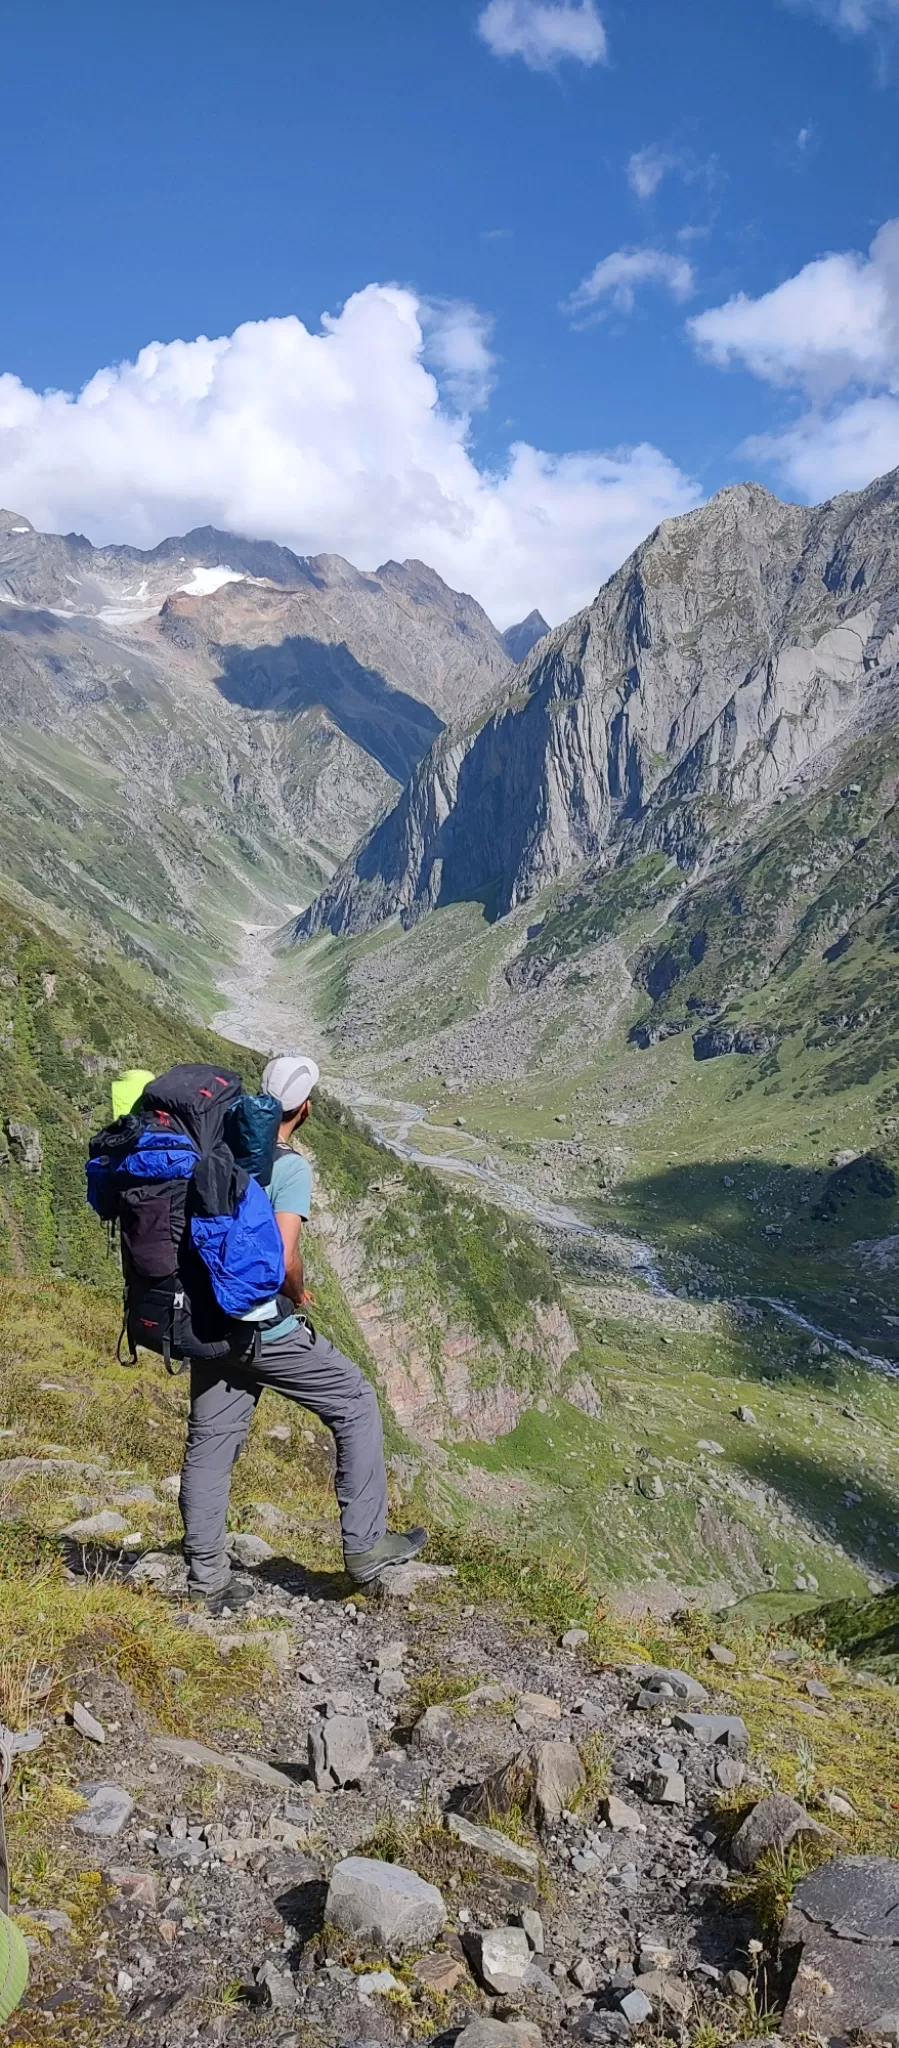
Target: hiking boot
<point x="394" y="1548"/>
<point x="235" y="1593"/>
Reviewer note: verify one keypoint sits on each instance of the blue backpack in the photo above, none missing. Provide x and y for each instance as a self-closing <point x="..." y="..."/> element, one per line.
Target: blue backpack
<point x="201" y="1249"/>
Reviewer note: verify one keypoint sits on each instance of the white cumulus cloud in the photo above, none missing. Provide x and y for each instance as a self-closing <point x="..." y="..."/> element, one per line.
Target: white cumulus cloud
<point x="544" y="31"/>
<point x="618" y="277"/>
<point x="837" y="319"/>
<point x="343" y="441"/>
<point x="832" y="333"/>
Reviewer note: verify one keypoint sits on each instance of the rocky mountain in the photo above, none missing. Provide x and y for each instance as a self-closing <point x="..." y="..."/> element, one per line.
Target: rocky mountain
<point x="728" y="662"/>
<point x="401" y="622"/>
<point x="195" y="735"/>
<point x="518" y="640"/>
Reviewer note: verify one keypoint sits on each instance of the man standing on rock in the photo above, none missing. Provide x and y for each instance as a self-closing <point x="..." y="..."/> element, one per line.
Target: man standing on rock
<point x="299" y="1363"/>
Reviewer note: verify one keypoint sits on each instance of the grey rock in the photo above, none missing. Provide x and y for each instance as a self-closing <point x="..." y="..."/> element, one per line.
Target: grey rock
<point x="108" y="1810"/>
<point x="854" y="1897"/>
<point x="491" y="1842"/>
<point x="25" y="1144"/>
<point x="340" y="1751"/>
<point x="737" y="1983"/>
<point x="575" y="1638"/>
<point x="636" y="2007"/>
<point x="721" y="1654"/>
<point x="391" y="1656"/>
<point x="436" y="1728"/>
<point x="622" y="1819"/>
<point x="375" y="1984"/>
<point x="558" y="1778"/>
<point x="681" y="1686"/>
<point x="389" y="1685"/>
<point x="249" y="1550"/>
<point x="668" y="1991"/>
<point x="87" y="1724"/>
<point x="240" y="1764"/>
<point x="596" y="2025"/>
<point x="403" y="1581"/>
<point x="51" y="1917"/>
<point x="501" y="1957"/>
<point x="533" y="1927"/>
<point x="745" y="1414"/>
<point x="383" y="1906"/>
<point x="841" y="1932"/>
<point x="729" y="1773"/>
<point x="487" y="2033"/>
<point x="772" y="1824"/>
<point x="704" y="1443"/>
<point x="278" y="1986"/>
<point x="666" y="1788"/>
<point x="817" y="1691"/>
<point x="728" y="1729"/>
<point x="93" y="1528"/>
<point x="583" y="1974"/>
<point x="135" y="1887"/>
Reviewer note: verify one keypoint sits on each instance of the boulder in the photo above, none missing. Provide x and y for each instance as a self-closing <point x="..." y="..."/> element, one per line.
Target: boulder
<point x="772" y="1824"/>
<point x="384" y="1906"/>
<point x="728" y="1729"/>
<point x="682" y="1687"/>
<point x="539" y="1782"/>
<point x="842" y="1932"/>
<point x="340" y="1751"/>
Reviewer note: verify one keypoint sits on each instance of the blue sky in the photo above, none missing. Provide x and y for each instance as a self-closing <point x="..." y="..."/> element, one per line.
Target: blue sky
<point x="216" y="166"/>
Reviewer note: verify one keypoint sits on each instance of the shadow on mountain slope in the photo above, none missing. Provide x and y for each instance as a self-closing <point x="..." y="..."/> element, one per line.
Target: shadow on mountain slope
<point x="844" y="1500"/>
<point x="823" y="1240"/>
<point x="292" y="674"/>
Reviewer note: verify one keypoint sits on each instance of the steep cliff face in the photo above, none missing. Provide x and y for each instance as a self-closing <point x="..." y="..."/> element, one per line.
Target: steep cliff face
<point x="732" y="650"/>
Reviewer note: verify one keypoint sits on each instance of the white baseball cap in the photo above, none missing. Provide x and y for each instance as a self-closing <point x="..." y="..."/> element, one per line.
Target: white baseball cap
<point x="291" y="1077"/>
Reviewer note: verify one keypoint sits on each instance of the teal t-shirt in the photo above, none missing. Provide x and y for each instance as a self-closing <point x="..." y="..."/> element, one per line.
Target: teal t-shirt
<point x="290" y="1192"/>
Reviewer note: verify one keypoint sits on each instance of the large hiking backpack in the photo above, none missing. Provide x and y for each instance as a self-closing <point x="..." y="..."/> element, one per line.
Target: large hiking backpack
<point x="201" y="1250"/>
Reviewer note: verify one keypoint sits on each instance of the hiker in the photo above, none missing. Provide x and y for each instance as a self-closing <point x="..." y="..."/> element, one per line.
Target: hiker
<point x="297" y="1362"/>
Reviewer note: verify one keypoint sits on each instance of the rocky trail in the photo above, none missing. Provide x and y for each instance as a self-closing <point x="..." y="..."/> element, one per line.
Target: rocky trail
<point x="444" y="1825"/>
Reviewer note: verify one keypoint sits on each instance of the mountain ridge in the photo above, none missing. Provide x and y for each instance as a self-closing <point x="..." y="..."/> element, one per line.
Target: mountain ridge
<point x="733" y="647"/>
<point x="187" y="744"/>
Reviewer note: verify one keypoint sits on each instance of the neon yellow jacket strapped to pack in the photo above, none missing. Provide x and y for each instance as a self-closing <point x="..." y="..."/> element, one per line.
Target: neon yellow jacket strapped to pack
<point x="127" y="1089"/>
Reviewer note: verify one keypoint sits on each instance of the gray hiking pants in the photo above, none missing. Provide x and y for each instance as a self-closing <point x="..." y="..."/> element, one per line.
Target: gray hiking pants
<point x="305" y="1368"/>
